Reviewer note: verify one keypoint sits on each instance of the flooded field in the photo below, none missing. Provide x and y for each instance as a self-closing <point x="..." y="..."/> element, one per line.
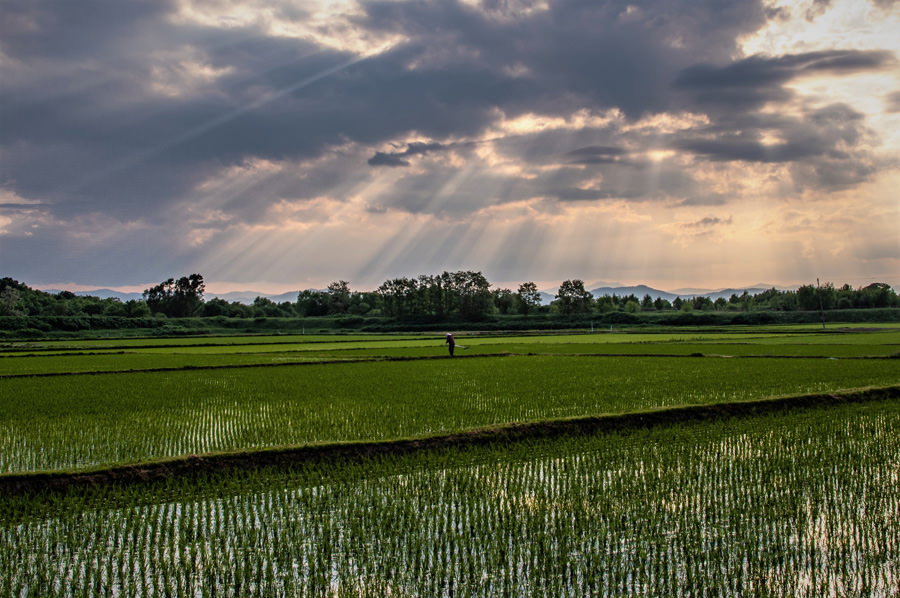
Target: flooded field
<point x="800" y="504"/>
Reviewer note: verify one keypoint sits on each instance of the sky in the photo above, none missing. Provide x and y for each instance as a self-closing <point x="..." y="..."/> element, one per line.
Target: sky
<point x="276" y="145"/>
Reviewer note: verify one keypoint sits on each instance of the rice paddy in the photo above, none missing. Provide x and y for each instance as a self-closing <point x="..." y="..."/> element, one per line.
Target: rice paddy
<point x="803" y="502"/>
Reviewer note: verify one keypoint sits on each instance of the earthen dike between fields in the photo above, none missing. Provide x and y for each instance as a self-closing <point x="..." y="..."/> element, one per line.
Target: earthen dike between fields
<point x="189" y="465"/>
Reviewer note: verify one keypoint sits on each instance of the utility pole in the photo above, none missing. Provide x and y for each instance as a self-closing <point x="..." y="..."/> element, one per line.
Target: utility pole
<point x="821" y="306"/>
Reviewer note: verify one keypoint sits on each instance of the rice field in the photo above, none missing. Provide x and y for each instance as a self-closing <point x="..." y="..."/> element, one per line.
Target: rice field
<point x="802" y="502"/>
<point x="84" y="421"/>
<point x="56" y="357"/>
<point x="798" y="504"/>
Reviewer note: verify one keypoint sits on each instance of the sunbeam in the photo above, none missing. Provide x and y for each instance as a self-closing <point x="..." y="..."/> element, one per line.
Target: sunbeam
<point x="141" y="156"/>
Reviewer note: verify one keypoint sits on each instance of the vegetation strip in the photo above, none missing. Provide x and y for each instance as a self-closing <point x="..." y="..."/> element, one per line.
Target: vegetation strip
<point x="241" y="366"/>
<point x="73" y="350"/>
<point x="22" y="483"/>
<point x="368" y="359"/>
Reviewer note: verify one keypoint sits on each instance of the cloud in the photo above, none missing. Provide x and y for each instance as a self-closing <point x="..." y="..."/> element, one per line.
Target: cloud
<point x="398" y="158"/>
<point x="383" y="159"/>
<point x="892" y="101"/>
<point x="880" y="250"/>
<point x="754" y="81"/>
<point x="126" y="108"/>
<point x="595" y="155"/>
<point x="818" y="8"/>
<point x="166" y="112"/>
<point x="707" y="222"/>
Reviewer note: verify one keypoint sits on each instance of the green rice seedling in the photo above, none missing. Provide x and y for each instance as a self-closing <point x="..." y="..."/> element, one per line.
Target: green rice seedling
<point x="804" y="504"/>
<point x="79" y="422"/>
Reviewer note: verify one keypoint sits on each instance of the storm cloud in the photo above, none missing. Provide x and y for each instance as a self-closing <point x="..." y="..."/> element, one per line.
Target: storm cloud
<point x="173" y="118"/>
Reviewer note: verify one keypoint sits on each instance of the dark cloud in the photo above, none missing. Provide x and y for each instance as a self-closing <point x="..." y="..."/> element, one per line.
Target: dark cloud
<point x="824" y="146"/>
<point x="748" y="84"/>
<point x="578" y="53"/>
<point x="399" y="158"/>
<point x="52" y="29"/>
<point x="595" y="155"/>
<point x="821" y="132"/>
<point x="118" y="108"/>
<point x="736" y="148"/>
<point x="383" y="159"/>
<point x="818" y="8"/>
<point x="101" y="110"/>
<point x="578" y="194"/>
<point x="709" y="221"/>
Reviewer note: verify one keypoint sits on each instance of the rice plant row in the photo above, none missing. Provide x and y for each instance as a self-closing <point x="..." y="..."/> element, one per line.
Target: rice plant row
<point x="800" y="504"/>
<point x="77" y="422"/>
<point x="238" y="351"/>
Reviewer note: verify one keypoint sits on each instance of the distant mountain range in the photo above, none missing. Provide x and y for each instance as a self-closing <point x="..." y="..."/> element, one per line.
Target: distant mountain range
<point x="641" y="290"/>
<point x="245" y="297"/>
<point x="611" y="288"/>
<point x="599" y="289"/>
<point x="101" y="293"/>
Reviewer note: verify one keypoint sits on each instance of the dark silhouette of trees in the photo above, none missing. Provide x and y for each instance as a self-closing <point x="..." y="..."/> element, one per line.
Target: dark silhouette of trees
<point x="338" y="297"/>
<point x="464" y="294"/>
<point x="312" y="303"/>
<point x="572" y="298"/>
<point x="529" y="298"/>
<point x="176" y="299"/>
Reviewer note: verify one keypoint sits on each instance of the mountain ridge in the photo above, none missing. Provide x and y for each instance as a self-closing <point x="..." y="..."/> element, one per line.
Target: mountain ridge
<point x="639" y="291"/>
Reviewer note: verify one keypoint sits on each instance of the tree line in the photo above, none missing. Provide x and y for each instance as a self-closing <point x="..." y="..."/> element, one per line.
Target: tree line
<point x="462" y="295"/>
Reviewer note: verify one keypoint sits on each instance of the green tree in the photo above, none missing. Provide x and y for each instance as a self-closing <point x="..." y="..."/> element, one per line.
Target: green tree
<point x="505" y="300"/>
<point x="606" y="304"/>
<point x="572" y="298"/>
<point x="312" y="303"/>
<point x="661" y="304"/>
<point x="877" y="294"/>
<point x="338" y="297"/>
<point x="176" y="299"/>
<point x="9" y="302"/>
<point x="265" y="307"/>
<point x="702" y="303"/>
<point x="475" y="299"/>
<point x="136" y="309"/>
<point x="529" y="297"/>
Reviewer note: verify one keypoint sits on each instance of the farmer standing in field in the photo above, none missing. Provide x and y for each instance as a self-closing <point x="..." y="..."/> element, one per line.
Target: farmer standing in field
<point x="451" y="344"/>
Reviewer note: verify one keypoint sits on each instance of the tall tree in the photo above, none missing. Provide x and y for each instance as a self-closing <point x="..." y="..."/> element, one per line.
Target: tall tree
<point x="187" y="297"/>
<point x="312" y="303"/>
<point x="529" y="297"/>
<point x="476" y="300"/>
<point x="338" y="297"/>
<point x="504" y="300"/>
<point x="572" y="298"/>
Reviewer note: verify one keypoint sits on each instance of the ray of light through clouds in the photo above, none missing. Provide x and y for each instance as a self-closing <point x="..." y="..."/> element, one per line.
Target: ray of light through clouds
<point x="281" y="145"/>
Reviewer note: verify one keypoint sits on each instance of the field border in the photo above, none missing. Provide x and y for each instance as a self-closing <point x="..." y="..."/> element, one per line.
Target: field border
<point x="386" y="359"/>
<point x="163" y="469"/>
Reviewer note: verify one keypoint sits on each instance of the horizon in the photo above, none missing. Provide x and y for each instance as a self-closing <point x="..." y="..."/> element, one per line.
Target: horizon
<point x="285" y="144"/>
<point x="545" y="287"/>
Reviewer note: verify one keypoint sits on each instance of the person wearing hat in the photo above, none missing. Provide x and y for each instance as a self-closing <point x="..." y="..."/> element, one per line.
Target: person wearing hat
<point x="451" y="344"/>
